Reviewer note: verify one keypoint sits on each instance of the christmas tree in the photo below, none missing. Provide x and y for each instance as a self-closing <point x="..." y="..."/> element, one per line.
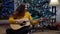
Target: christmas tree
<point x="37" y="8"/>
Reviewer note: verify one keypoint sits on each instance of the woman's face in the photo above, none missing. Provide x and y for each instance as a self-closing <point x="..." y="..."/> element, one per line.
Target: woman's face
<point x="26" y="6"/>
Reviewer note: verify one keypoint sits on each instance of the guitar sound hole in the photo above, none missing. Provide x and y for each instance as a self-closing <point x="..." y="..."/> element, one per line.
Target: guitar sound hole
<point x="22" y="24"/>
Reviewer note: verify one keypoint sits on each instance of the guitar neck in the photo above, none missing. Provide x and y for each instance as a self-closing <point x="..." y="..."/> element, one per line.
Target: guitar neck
<point x="4" y="22"/>
<point x="7" y="22"/>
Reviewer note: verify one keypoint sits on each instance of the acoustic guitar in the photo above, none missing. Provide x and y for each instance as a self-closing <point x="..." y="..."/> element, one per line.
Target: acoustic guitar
<point x="18" y="24"/>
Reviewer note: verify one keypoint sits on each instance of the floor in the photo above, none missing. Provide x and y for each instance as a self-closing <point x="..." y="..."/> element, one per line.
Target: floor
<point x="3" y="31"/>
<point x="48" y="32"/>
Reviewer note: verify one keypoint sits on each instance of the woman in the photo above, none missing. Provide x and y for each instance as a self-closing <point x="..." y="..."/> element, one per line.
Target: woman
<point x="19" y="14"/>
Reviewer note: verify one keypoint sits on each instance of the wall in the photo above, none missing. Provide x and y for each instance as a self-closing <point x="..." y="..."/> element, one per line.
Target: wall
<point x="58" y="14"/>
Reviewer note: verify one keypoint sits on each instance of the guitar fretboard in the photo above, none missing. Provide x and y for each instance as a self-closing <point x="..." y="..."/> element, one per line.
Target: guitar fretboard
<point x="4" y="21"/>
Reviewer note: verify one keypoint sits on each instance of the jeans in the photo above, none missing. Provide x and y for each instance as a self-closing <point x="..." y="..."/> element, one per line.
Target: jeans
<point x="23" y="30"/>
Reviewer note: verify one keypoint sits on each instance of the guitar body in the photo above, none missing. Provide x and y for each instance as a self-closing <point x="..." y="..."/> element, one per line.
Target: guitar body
<point x="15" y="26"/>
<point x="18" y="26"/>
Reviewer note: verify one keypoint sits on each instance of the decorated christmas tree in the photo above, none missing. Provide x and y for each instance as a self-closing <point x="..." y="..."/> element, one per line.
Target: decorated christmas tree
<point x="37" y="8"/>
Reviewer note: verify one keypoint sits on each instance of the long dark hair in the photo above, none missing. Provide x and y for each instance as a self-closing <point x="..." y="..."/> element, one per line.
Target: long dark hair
<point x="20" y="9"/>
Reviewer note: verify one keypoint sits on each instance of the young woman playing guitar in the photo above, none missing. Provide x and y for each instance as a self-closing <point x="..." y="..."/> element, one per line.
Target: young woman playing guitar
<point x="20" y="15"/>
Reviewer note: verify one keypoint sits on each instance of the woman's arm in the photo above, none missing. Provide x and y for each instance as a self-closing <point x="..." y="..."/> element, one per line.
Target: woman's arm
<point x="33" y="22"/>
<point x="11" y="20"/>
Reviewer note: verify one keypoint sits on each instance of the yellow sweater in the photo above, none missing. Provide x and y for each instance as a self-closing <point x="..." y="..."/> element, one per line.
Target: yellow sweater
<point x="27" y="15"/>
